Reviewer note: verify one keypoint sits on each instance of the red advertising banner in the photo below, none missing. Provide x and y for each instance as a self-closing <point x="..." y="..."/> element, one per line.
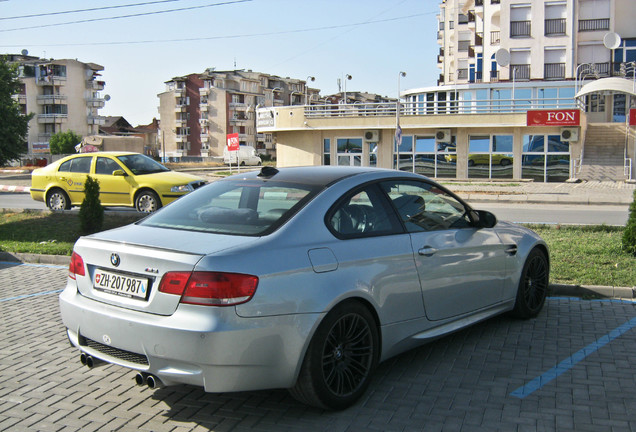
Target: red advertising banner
<point x="632" y="117"/>
<point x="564" y="117"/>
<point x="233" y="142"/>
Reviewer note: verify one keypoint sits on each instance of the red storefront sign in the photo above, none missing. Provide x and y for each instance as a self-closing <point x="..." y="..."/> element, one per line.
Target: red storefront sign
<point x="554" y="118"/>
<point x="233" y="142"/>
<point x="632" y="117"/>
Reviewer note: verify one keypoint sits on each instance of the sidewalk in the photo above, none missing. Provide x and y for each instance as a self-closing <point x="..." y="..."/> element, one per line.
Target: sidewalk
<point x="584" y="193"/>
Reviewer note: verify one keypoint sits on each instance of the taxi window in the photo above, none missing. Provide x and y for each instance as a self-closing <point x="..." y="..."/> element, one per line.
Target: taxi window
<point x="77" y="165"/>
<point x="106" y="166"/>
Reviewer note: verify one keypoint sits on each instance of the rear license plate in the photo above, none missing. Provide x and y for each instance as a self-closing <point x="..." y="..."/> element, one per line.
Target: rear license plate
<point x="121" y="285"/>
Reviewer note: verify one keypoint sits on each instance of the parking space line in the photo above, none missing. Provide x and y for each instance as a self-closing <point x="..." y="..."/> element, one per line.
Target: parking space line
<point x="13" y="263"/>
<point x="30" y="295"/>
<point x="569" y="363"/>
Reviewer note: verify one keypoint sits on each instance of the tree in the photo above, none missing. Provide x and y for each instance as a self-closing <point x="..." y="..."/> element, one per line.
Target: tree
<point x="629" y="235"/>
<point x="91" y="212"/>
<point x="14" y="125"/>
<point x="64" y="142"/>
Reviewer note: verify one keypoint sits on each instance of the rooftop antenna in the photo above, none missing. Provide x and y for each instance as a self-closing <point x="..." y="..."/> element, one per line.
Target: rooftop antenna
<point x="234" y="62"/>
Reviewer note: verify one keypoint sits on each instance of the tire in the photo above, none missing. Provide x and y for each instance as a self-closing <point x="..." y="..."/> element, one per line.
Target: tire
<point x="504" y="162"/>
<point x="471" y="162"/>
<point x="147" y="202"/>
<point x="533" y="286"/>
<point x="58" y="200"/>
<point x="340" y="359"/>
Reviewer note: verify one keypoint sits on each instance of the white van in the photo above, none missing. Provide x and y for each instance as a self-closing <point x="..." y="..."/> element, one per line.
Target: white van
<point x="246" y="156"/>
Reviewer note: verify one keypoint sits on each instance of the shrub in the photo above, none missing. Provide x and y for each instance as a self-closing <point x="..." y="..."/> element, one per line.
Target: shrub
<point x="91" y="212"/>
<point x="64" y="142"/>
<point x="629" y="235"/>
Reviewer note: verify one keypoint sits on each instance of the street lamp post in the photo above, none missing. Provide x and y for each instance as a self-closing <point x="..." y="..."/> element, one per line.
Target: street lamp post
<point x="347" y="78"/>
<point x="398" y="129"/>
<point x="312" y="79"/>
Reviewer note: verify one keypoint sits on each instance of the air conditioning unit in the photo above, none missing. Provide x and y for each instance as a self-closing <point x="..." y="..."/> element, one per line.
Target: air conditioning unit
<point x="570" y="134"/>
<point x="443" y="135"/>
<point x="372" y="135"/>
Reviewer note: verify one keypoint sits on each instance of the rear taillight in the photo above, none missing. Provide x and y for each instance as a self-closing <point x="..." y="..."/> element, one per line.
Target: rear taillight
<point x="76" y="267"/>
<point x="210" y="288"/>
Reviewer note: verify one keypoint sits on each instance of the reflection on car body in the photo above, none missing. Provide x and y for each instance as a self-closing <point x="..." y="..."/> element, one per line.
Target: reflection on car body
<point x="299" y="278"/>
<point x="125" y="179"/>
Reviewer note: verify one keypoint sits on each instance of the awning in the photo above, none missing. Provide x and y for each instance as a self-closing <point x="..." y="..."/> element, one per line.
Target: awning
<point x="614" y="84"/>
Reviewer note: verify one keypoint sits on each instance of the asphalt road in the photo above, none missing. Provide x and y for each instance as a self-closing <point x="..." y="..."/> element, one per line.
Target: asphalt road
<point x="521" y="213"/>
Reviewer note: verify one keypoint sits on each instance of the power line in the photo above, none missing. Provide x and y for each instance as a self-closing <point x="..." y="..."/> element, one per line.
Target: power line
<point x="127" y="16"/>
<point x="238" y="36"/>
<point x="85" y="10"/>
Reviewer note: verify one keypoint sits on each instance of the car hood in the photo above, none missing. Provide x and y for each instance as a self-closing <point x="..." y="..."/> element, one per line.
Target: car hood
<point x="171" y="177"/>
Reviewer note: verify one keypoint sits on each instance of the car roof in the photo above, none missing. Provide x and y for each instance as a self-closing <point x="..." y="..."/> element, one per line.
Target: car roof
<point x="310" y="175"/>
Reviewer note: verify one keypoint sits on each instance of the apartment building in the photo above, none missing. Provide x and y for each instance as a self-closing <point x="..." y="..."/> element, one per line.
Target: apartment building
<point x="199" y="110"/>
<point x="63" y="94"/>
<point x="528" y="89"/>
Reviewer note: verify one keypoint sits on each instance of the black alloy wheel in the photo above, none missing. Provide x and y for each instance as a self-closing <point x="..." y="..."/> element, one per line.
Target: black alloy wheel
<point x="533" y="286"/>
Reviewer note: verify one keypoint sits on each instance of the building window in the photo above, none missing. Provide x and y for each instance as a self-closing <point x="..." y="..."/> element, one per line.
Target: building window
<point x="545" y="158"/>
<point x="349" y="151"/>
<point x="427" y="156"/>
<point x="520" y="24"/>
<point x="490" y="156"/>
<point x="595" y="103"/>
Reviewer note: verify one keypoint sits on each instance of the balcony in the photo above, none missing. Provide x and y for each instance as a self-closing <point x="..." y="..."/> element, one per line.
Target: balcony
<point x="203" y="107"/>
<point x="180" y="108"/>
<point x="463" y="46"/>
<point x="52" y="118"/>
<point x="95" y="102"/>
<point x="555" y="27"/>
<point x="181" y="138"/>
<point x="204" y="121"/>
<point x="520" y="71"/>
<point x="204" y="136"/>
<point x="478" y="77"/>
<point x="204" y="91"/>
<point x="50" y="80"/>
<point x="594" y="24"/>
<point x="95" y="85"/>
<point x="239" y="105"/>
<point x="462" y="74"/>
<point x="589" y="70"/>
<point x="520" y="28"/>
<point x="554" y="71"/>
<point x="494" y="76"/>
<point x="96" y="120"/>
<point x="181" y="123"/>
<point x="51" y="99"/>
<point x="180" y="92"/>
<point x="495" y="37"/>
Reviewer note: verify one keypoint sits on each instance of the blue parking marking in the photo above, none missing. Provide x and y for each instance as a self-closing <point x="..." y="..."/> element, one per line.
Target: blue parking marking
<point x="569" y="363"/>
<point x="30" y="295"/>
<point x="13" y="263"/>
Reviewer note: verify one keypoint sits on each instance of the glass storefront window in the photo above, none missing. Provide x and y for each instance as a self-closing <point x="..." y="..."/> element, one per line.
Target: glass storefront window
<point x="428" y="157"/>
<point x="326" y="151"/>
<point x="490" y="156"/>
<point x="543" y="163"/>
<point x="349" y="151"/>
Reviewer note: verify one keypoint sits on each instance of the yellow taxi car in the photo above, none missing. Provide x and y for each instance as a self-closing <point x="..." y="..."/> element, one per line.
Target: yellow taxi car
<point x="125" y="179"/>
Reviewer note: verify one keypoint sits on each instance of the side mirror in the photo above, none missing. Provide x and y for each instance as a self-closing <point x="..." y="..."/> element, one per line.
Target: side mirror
<point x="483" y="219"/>
<point x="119" y="172"/>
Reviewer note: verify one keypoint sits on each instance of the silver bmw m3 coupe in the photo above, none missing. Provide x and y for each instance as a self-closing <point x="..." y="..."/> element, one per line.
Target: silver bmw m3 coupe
<point x="298" y="278"/>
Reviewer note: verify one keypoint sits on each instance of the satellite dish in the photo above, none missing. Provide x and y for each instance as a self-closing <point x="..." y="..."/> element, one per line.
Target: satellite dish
<point x="25" y="52"/>
<point x="611" y="40"/>
<point x="502" y="57"/>
<point x="107" y="98"/>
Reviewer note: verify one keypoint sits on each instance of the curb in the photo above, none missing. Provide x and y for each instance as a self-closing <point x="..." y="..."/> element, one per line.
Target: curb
<point x="555" y="289"/>
<point x="15" y="189"/>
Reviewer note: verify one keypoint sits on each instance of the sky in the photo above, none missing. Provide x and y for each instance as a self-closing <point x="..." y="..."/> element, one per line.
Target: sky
<point x="143" y="43"/>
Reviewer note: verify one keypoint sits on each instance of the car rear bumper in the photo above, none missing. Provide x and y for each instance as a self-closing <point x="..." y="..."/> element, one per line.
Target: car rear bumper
<point x="197" y="345"/>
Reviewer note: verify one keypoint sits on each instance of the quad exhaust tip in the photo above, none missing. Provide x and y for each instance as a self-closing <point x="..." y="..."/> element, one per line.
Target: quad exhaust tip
<point x="148" y="379"/>
<point x="90" y="361"/>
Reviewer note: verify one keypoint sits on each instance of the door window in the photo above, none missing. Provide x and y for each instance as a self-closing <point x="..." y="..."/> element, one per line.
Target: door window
<point x="425" y="207"/>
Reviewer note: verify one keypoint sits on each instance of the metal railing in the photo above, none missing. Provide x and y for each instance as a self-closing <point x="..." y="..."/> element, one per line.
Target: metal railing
<point x="594" y="24"/>
<point x="520" y="71"/>
<point x="490" y="106"/>
<point x="555" y="26"/>
<point x="495" y="37"/>
<point x="520" y="28"/>
<point x="628" y="168"/>
<point x="554" y="70"/>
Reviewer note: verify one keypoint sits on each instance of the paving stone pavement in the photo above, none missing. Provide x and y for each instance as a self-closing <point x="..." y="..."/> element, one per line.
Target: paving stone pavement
<point x="462" y="382"/>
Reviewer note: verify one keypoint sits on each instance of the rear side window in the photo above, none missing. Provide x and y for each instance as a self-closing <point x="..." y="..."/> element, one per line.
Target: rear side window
<point x="363" y="213"/>
<point x="234" y="207"/>
<point x="77" y="165"/>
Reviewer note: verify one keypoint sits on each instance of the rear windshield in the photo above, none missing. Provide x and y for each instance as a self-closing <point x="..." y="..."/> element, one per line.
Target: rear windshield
<point x="237" y="207"/>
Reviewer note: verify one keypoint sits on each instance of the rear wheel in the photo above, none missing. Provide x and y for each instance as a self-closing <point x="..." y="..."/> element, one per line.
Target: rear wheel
<point x="340" y="359"/>
<point x="533" y="286"/>
<point x="58" y="200"/>
<point x="147" y="201"/>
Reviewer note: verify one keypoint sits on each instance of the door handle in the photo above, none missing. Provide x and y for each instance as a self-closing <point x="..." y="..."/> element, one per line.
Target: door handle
<point x="427" y="251"/>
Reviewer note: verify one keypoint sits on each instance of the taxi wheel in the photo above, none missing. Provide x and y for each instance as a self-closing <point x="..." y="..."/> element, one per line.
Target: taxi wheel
<point x="147" y="202"/>
<point x="57" y="200"/>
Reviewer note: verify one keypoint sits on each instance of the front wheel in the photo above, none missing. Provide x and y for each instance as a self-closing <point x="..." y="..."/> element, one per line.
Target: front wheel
<point x="340" y="359"/>
<point x="533" y="286"/>
<point x="147" y="202"/>
<point x="58" y="200"/>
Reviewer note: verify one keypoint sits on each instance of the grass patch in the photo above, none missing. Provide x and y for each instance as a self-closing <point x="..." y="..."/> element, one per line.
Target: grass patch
<point x="580" y="255"/>
<point x="48" y="233"/>
<point x="588" y="255"/>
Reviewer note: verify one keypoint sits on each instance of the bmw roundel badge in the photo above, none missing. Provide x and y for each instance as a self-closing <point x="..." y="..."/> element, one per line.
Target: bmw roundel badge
<point x="114" y="259"/>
